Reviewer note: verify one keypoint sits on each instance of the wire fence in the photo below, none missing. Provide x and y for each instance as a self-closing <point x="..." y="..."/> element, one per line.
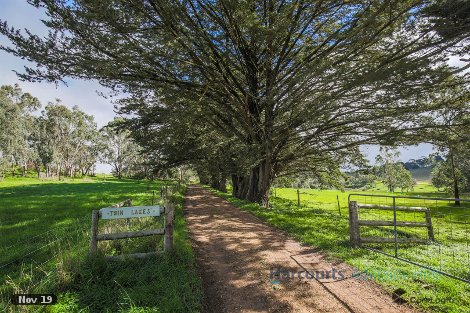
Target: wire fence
<point x="407" y="231"/>
<point x="446" y="252"/>
<point x="26" y="263"/>
<point x="326" y="211"/>
<point x="25" y="250"/>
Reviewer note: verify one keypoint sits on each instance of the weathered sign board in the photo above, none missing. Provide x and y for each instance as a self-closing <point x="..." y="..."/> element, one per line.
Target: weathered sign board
<point x="125" y="210"/>
<point x="130" y="212"/>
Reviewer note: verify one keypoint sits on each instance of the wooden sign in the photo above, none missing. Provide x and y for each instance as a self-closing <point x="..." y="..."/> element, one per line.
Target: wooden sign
<point x="129" y="212"/>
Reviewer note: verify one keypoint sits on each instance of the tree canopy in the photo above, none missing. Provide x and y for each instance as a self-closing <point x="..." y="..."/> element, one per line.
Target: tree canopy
<point x="256" y="89"/>
<point x="392" y="173"/>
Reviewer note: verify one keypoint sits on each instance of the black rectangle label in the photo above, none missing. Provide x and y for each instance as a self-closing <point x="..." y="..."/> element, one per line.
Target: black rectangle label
<point x="34" y="299"/>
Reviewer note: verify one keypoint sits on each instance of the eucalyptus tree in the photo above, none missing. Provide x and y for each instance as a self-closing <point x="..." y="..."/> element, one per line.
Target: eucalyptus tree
<point x="452" y="139"/>
<point x="297" y="83"/>
<point x="453" y="174"/>
<point x="391" y="172"/>
<point x="85" y="140"/>
<point x="67" y="140"/>
<point x="16" y="127"/>
<point x="447" y="176"/>
<point x="118" y="149"/>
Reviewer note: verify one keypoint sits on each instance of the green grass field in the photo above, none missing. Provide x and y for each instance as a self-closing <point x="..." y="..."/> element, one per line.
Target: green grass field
<point x="320" y="223"/>
<point x="45" y="231"/>
<point x="44" y="227"/>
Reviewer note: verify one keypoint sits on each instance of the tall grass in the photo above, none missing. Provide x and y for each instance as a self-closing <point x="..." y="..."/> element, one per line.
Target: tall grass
<point x="45" y="241"/>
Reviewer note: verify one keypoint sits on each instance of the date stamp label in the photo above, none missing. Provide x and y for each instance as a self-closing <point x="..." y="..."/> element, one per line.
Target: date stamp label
<point x="34" y="299"/>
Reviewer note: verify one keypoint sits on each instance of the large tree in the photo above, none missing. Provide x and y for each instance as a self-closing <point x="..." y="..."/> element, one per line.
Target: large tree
<point x="67" y="139"/>
<point x="452" y="139"/>
<point x="391" y="172"/>
<point x="297" y="84"/>
<point x="16" y="127"/>
<point x="118" y="149"/>
<point x="60" y="138"/>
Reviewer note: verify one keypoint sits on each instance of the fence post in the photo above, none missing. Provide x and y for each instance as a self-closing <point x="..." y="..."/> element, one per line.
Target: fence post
<point x="354" y="225"/>
<point x="339" y="207"/>
<point x="95" y="214"/>
<point x="429" y="222"/>
<point x="298" y="198"/>
<point x="395" y="226"/>
<point x="169" y="226"/>
<point x="128" y="220"/>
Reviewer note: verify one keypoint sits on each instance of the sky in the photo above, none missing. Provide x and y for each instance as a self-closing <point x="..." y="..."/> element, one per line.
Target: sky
<point x="20" y="14"/>
<point x="84" y="94"/>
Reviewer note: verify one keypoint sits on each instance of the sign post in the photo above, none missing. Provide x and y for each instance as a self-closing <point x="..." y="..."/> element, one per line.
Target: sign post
<point x="125" y="210"/>
<point x="129" y="212"/>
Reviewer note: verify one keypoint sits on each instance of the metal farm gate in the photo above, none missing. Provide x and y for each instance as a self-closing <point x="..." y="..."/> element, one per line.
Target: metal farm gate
<point x="431" y="233"/>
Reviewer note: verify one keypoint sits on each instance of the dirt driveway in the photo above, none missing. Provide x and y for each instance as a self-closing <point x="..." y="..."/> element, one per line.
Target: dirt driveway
<point x="248" y="266"/>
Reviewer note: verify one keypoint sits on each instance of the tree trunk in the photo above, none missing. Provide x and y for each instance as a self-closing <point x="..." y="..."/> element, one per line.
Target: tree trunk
<point x="235" y="185"/>
<point x="259" y="183"/>
<point x="203" y="177"/>
<point x="253" y="191"/>
<point x="223" y="183"/>
<point x="455" y="179"/>
<point x="214" y="182"/>
<point x="240" y="186"/>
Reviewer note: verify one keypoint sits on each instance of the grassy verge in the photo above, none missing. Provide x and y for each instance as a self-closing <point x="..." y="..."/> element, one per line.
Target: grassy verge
<point x="317" y="222"/>
<point x="44" y="227"/>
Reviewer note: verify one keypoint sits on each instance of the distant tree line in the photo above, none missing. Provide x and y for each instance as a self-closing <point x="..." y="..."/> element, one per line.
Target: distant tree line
<point x="387" y="170"/>
<point x="58" y="141"/>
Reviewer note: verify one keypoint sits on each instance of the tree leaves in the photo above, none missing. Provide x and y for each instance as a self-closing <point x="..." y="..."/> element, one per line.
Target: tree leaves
<point x="276" y="84"/>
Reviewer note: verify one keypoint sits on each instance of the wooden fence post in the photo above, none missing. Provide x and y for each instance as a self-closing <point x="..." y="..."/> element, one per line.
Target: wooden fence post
<point x="169" y="226"/>
<point x="94" y="231"/>
<point x="354" y="225"/>
<point x="429" y="222"/>
<point x="339" y="207"/>
<point x="395" y="234"/>
<point x="298" y="198"/>
<point x="167" y="231"/>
